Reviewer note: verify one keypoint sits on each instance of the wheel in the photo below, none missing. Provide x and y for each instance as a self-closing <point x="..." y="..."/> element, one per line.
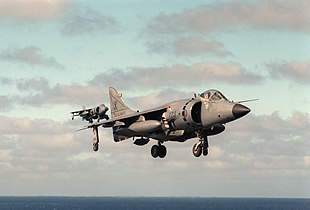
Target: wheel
<point x="95" y="147"/>
<point x="197" y="150"/>
<point x="205" y="152"/>
<point x="205" y="146"/>
<point x="162" y="151"/>
<point x="155" y="151"/>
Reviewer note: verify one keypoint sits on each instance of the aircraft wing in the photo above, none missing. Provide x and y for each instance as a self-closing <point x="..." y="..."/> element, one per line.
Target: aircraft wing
<point x="150" y="113"/>
<point x="80" y="111"/>
<point x="155" y="113"/>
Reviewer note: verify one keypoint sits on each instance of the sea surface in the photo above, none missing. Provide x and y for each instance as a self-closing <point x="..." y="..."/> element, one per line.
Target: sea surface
<point x="149" y="203"/>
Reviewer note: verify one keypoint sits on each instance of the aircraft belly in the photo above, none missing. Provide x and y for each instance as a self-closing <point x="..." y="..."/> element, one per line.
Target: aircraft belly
<point x="162" y="136"/>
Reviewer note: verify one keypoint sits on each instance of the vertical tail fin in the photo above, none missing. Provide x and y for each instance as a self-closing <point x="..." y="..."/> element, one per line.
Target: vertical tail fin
<point x="118" y="107"/>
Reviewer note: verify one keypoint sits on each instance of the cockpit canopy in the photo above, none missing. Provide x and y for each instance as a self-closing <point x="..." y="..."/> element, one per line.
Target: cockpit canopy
<point x="213" y="95"/>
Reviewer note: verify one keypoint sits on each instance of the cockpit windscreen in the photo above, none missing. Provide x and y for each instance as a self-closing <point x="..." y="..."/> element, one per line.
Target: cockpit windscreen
<point x="213" y="95"/>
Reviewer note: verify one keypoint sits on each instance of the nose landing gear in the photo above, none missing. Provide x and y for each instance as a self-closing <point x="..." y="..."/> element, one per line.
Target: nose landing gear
<point x="201" y="147"/>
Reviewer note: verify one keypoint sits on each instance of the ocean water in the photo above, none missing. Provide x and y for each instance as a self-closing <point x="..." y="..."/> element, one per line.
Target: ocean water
<point x="146" y="203"/>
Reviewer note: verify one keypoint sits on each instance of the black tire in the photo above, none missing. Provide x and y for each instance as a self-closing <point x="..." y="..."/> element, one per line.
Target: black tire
<point x="96" y="147"/>
<point x="205" y="152"/>
<point x="197" y="151"/>
<point x="155" y="151"/>
<point x="162" y="151"/>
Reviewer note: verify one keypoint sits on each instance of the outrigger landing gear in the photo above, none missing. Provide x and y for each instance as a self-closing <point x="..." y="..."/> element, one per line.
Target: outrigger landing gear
<point x="95" y="139"/>
<point x="201" y="147"/>
<point x="158" y="151"/>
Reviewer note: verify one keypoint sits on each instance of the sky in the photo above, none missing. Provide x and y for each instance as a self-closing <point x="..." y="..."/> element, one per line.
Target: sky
<point x="57" y="56"/>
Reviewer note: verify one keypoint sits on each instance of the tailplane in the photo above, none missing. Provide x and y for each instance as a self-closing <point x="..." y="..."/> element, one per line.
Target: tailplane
<point x="118" y="107"/>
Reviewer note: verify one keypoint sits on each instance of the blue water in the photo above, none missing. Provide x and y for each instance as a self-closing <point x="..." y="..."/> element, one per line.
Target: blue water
<point x="128" y="203"/>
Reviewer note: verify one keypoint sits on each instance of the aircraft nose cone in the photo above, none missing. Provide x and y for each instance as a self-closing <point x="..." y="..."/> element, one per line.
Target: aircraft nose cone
<point x="240" y="110"/>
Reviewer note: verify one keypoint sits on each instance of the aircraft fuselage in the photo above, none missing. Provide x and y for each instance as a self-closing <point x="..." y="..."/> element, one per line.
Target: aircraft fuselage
<point x="201" y="116"/>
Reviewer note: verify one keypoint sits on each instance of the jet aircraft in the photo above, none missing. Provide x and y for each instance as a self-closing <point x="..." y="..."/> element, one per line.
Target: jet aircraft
<point x="90" y="114"/>
<point x="198" y="117"/>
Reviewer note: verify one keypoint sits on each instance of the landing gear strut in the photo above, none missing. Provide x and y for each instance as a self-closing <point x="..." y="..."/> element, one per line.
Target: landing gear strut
<point x="158" y="151"/>
<point x="95" y="139"/>
<point x="201" y="147"/>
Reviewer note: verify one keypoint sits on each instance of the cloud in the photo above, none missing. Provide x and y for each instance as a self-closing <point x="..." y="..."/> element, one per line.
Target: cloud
<point x="69" y="16"/>
<point x="188" y="46"/>
<point x="157" y="98"/>
<point x="270" y="135"/>
<point x="29" y="55"/>
<point x="6" y="103"/>
<point x="33" y="84"/>
<point x="79" y="21"/>
<point x="5" y="81"/>
<point x="203" y="72"/>
<point x="32" y="10"/>
<point x="38" y="91"/>
<point x="297" y="71"/>
<point x="77" y="94"/>
<point x="253" y="149"/>
<point x="265" y="14"/>
<point x="65" y="94"/>
<point x="26" y="126"/>
<point x="34" y="148"/>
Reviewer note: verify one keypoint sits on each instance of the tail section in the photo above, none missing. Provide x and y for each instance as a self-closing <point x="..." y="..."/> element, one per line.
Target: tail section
<point x="118" y="107"/>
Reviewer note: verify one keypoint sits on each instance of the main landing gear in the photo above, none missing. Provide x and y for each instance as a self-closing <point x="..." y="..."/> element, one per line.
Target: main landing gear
<point x="158" y="151"/>
<point x="95" y="139"/>
<point x="201" y="147"/>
